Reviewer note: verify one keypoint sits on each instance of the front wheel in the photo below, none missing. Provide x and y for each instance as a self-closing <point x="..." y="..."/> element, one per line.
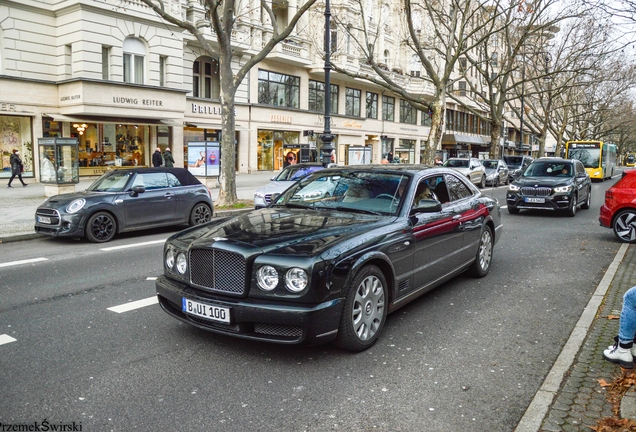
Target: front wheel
<point x="571" y="211"/>
<point x="200" y="214"/>
<point x="625" y="226"/>
<point x="101" y="227"/>
<point x="364" y="311"/>
<point x="481" y="266"/>
<point x="482" y="183"/>
<point x="513" y="210"/>
<point x="588" y="200"/>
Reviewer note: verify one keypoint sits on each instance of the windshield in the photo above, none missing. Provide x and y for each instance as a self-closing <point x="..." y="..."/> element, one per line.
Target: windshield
<point x="456" y="163"/>
<point x="293" y="172"/>
<point x="490" y="164"/>
<point x="631" y="158"/>
<point x="112" y="182"/>
<point x="360" y="192"/>
<point x="549" y="169"/>
<point x="513" y="161"/>
<point x="591" y="157"/>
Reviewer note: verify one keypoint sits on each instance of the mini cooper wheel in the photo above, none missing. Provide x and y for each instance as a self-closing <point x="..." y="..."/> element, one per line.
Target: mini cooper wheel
<point x="200" y="214"/>
<point x="571" y="211"/>
<point x="364" y="311"/>
<point x="101" y="227"/>
<point x="625" y="226"/>
<point x="588" y="200"/>
<point x="481" y="266"/>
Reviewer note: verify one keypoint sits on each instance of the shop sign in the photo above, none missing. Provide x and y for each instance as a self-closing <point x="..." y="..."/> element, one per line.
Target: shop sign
<point x="409" y="129"/>
<point x="352" y="124"/>
<point x="205" y="109"/>
<point x="321" y="121"/>
<point x="134" y="101"/>
<point x="275" y="118"/>
<point x="72" y="97"/>
<point x="4" y="106"/>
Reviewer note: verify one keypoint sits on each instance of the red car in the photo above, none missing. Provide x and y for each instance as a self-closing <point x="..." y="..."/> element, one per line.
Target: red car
<point x="619" y="210"/>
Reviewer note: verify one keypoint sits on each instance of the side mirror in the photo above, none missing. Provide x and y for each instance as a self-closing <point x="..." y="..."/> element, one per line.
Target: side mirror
<point x="426" y="206"/>
<point x="136" y="190"/>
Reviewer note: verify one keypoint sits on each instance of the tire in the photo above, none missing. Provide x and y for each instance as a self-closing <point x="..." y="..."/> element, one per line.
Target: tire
<point x="588" y="200"/>
<point x="481" y="266"/>
<point x="624" y="226"/>
<point x="571" y="211"/>
<point x="364" y="311"/>
<point x="482" y="184"/>
<point x="100" y="227"/>
<point x="201" y="213"/>
<point x="495" y="182"/>
<point x="513" y="210"/>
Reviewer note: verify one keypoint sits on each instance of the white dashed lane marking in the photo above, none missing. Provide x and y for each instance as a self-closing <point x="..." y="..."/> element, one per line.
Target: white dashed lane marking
<point x="5" y="339"/>
<point x="112" y="248"/>
<point x="126" y="307"/>
<point x="26" y="261"/>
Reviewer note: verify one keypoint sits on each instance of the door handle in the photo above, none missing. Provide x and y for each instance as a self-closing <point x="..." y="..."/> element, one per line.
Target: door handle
<point x="169" y="195"/>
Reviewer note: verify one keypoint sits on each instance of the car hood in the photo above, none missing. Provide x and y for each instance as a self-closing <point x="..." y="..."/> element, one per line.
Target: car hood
<point x="275" y="187"/>
<point x="285" y="231"/>
<point x="543" y="181"/>
<point x="463" y="170"/>
<point x="62" y="200"/>
<point x="490" y="171"/>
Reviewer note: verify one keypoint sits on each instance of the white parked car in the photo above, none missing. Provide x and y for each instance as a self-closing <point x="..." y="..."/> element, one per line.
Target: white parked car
<point x="470" y="167"/>
<point x="280" y="182"/>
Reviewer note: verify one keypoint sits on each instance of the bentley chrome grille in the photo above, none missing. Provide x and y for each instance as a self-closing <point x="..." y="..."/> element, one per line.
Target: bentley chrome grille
<point x="538" y="191"/>
<point x="217" y="270"/>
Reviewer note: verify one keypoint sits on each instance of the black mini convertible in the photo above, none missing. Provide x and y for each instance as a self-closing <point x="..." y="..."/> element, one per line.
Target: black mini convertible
<point x="329" y="267"/>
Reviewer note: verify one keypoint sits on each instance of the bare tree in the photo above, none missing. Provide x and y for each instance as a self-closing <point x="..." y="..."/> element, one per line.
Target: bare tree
<point x="222" y="17"/>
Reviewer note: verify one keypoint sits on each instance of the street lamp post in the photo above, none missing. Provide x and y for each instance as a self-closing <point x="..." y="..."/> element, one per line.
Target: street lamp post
<point x="327" y="137"/>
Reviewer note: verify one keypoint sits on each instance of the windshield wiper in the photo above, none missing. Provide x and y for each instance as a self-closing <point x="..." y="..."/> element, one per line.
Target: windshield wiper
<point x="292" y="205"/>
<point x="357" y="210"/>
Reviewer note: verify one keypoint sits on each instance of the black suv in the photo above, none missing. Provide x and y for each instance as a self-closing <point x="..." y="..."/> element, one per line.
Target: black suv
<point x="551" y="184"/>
<point x="516" y="165"/>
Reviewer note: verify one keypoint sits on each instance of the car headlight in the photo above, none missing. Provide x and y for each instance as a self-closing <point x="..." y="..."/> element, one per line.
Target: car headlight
<point x="311" y="195"/>
<point x="76" y="206"/>
<point x="296" y="279"/>
<point x="170" y="259"/>
<point x="513" y="188"/>
<point x="563" y="189"/>
<point x="182" y="263"/>
<point x="267" y="278"/>
<point x="259" y="195"/>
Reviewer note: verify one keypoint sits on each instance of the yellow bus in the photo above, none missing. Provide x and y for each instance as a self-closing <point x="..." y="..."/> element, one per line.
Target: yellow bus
<point x="630" y="159"/>
<point x="599" y="158"/>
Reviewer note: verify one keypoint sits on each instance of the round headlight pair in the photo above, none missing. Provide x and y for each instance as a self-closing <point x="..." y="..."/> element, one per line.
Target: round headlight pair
<point x="176" y="261"/>
<point x="295" y="279"/>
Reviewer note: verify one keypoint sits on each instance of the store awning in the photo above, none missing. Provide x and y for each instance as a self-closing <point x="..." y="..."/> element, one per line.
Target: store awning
<point x="463" y="139"/>
<point x="218" y="126"/>
<point x="113" y="120"/>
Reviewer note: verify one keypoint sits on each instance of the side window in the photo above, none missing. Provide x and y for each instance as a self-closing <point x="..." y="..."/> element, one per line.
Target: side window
<point x="439" y="188"/>
<point x="456" y="188"/>
<point x="173" y="181"/>
<point x="425" y="189"/>
<point x="155" y="181"/>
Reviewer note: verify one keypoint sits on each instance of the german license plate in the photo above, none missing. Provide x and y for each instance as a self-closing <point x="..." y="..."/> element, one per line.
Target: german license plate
<point x="202" y="310"/>
<point x="44" y="219"/>
<point x="535" y="200"/>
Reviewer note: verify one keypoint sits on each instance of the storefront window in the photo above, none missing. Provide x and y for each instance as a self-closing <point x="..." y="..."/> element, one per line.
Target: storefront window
<point x="274" y="147"/>
<point x="107" y="144"/>
<point x="15" y="134"/>
<point x="406" y="151"/>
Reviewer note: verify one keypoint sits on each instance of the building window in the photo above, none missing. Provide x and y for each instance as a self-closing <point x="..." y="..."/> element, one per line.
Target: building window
<point x="415" y="65"/>
<point x="278" y="89"/>
<point x="334" y="37"/>
<point x="105" y="63"/>
<point x="388" y="108"/>
<point x="408" y="114"/>
<point x="134" y="59"/>
<point x="205" y="78"/>
<point x="68" y="61"/>
<point x="372" y="105"/>
<point x="162" y="71"/>
<point x="317" y="97"/>
<point x="427" y="118"/>
<point x="352" y="102"/>
<point x="462" y="88"/>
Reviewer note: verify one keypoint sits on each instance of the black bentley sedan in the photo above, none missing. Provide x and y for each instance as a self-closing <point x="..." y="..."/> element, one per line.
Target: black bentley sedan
<point x="126" y="200"/>
<point x="551" y="183"/>
<point x="318" y="268"/>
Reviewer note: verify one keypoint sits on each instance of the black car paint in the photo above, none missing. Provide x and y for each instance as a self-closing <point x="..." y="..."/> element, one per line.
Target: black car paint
<point x="332" y="246"/>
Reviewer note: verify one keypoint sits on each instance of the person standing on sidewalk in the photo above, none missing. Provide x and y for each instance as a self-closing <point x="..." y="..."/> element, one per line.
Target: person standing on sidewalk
<point x="157" y="160"/>
<point x="16" y="167"/>
<point x="168" y="159"/>
<point x="623" y="350"/>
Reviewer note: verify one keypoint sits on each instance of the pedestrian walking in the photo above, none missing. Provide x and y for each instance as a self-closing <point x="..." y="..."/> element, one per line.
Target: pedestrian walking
<point x="16" y="167"/>
<point x="623" y="350"/>
<point x="157" y="160"/>
<point x="168" y="159"/>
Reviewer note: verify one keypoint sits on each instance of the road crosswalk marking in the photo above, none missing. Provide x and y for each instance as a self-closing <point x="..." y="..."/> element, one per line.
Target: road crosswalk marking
<point x="126" y="307"/>
<point x="5" y="339"/>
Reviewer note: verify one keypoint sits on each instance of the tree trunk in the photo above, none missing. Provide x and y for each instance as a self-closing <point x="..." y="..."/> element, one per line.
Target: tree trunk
<point x="227" y="179"/>
<point x="495" y="139"/>
<point x="435" y="136"/>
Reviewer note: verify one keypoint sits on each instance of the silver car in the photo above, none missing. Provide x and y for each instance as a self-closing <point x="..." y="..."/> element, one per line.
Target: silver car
<point x="470" y="167"/>
<point x="279" y="184"/>
<point x="496" y="171"/>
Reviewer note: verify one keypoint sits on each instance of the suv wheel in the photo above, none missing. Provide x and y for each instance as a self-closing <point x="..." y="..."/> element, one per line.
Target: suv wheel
<point x="513" y="210"/>
<point x="588" y="200"/>
<point x="625" y="226"/>
<point x="571" y="211"/>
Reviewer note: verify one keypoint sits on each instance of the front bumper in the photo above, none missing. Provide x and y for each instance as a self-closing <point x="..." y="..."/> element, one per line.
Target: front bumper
<point x="268" y="321"/>
<point x="62" y="225"/>
<point x="552" y="202"/>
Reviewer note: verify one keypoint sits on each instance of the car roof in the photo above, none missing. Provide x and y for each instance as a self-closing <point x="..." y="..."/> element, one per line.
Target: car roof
<point x="392" y="168"/>
<point x="184" y="176"/>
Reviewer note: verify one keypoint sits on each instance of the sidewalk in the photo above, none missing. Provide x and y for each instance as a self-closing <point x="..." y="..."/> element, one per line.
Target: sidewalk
<point x="571" y="397"/>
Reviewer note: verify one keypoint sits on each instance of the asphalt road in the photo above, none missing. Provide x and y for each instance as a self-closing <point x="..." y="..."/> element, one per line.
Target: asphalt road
<point x="469" y="355"/>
